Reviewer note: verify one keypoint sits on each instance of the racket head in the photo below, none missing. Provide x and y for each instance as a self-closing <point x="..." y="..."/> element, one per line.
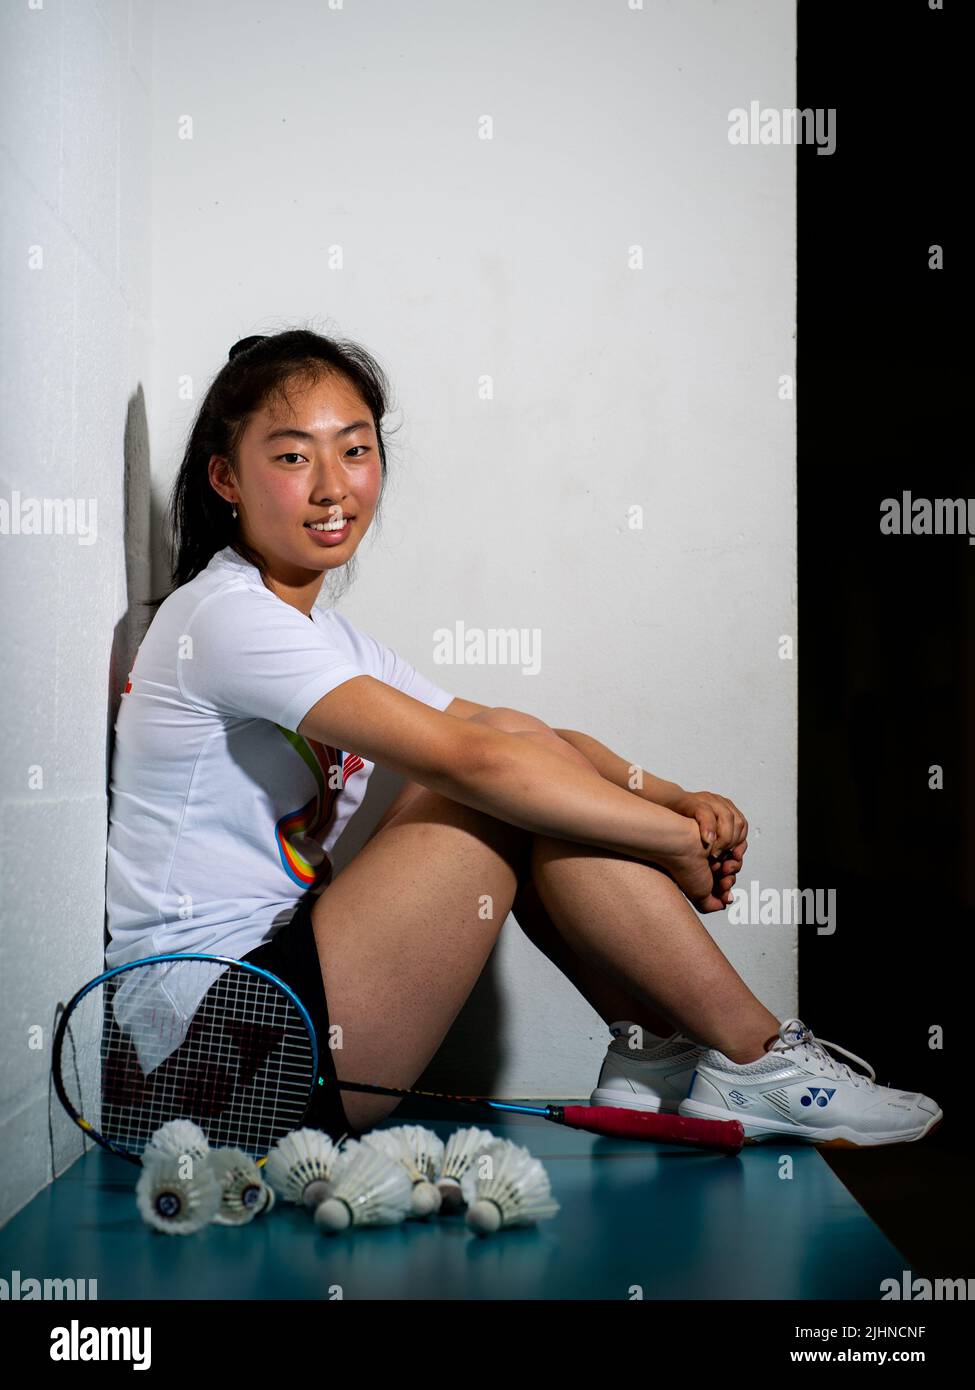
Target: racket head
<point x="186" y="1035"/>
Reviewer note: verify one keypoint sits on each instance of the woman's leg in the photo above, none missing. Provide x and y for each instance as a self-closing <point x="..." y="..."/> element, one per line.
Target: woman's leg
<point x="611" y="1001"/>
<point x="404" y="931"/>
<point x="626" y="936"/>
<point x="631" y="943"/>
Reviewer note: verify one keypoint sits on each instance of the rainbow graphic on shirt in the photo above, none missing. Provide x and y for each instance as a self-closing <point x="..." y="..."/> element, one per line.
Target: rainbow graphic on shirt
<point x="293" y="831"/>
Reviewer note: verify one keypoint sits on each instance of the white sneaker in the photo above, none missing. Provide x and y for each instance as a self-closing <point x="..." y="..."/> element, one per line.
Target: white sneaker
<point x="797" y="1090"/>
<point x="655" y="1076"/>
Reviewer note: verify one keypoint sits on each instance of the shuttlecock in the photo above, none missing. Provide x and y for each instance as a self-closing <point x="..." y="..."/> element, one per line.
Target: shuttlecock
<point x="299" y="1165"/>
<point x="174" y="1196"/>
<point x="367" y="1188"/>
<point x="463" y="1147"/>
<point x="516" y="1194"/>
<point x="420" y="1151"/>
<point x="244" y="1193"/>
<point x="179" y="1137"/>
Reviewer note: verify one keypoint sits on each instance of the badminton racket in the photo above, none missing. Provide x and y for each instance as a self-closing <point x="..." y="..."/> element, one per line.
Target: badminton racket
<point x="229" y="1045"/>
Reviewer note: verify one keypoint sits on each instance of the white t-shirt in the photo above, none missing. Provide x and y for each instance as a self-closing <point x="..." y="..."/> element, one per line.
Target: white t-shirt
<point x="221" y="814"/>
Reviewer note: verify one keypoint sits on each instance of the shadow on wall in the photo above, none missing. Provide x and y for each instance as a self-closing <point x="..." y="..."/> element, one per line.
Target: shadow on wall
<point x="140" y="522"/>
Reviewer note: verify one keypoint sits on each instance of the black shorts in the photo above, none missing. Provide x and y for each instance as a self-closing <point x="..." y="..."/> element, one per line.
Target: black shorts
<point x="292" y="955"/>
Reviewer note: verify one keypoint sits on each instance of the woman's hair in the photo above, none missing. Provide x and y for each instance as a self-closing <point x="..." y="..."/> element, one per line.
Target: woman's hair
<point x="259" y="371"/>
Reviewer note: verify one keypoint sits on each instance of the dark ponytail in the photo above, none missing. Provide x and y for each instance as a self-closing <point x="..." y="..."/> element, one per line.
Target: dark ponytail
<point x="258" y="370"/>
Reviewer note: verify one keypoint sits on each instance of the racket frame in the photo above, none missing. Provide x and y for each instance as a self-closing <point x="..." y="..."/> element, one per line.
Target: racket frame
<point x="62" y="1026"/>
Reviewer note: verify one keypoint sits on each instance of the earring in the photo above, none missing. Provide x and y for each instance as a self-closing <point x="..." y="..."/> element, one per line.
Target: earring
<point x="234" y="512"/>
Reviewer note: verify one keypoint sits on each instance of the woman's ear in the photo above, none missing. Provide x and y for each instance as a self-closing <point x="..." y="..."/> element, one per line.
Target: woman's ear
<point x="222" y="478"/>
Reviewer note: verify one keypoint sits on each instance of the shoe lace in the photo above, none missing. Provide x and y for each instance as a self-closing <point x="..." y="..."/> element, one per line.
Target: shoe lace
<point x="803" y="1039"/>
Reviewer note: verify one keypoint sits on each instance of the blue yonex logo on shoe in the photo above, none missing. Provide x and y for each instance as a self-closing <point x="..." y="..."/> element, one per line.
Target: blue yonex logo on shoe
<point x="737" y="1097"/>
<point x="819" y="1095"/>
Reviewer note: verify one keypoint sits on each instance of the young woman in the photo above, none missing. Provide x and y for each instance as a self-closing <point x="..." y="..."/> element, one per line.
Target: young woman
<point x="251" y="721"/>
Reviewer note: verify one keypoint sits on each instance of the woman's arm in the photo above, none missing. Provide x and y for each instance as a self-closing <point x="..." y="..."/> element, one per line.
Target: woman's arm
<point x="621" y="773"/>
<point x="721" y="823"/>
<point x="607" y="763"/>
<point x="464" y="709"/>
<point x="722" y="826"/>
<point x="517" y="780"/>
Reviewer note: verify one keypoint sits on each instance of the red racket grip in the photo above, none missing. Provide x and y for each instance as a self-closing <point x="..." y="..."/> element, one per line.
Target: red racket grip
<point x="726" y="1135"/>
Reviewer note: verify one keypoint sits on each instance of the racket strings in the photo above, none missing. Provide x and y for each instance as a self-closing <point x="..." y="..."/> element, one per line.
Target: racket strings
<point x="241" y="1066"/>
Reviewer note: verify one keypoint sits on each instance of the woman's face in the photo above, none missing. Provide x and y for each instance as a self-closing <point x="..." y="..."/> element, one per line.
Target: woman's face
<point x="318" y="462"/>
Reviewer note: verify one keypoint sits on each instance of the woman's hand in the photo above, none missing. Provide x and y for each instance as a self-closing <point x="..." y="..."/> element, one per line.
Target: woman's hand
<point x="723" y="831"/>
<point x="705" y="880"/>
<point x="723" y="827"/>
<point x="724" y="870"/>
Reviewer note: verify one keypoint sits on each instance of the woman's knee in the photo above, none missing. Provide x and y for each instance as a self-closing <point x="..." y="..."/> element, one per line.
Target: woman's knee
<point x="526" y="726"/>
<point x="433" y="810"/>
<point x="513" y="721"/>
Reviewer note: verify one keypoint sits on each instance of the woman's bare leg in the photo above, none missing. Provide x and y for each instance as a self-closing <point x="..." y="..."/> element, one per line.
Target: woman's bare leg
<point x="611" y="1001"/>
<point x="629" y="934"/>
<point x="628" y="938"/>
<point x="404" y="931"/>
<point x="403" y="934"/>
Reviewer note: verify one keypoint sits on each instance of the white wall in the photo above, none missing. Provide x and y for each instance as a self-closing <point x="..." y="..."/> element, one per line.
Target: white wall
<point x="74" y="359"/>
<point x="357" y="129"/>
<point x="461" y="259"/>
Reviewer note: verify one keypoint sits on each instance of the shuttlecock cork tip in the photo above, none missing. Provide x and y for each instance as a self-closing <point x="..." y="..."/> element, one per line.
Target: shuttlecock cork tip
<point x="333" y="1215"/>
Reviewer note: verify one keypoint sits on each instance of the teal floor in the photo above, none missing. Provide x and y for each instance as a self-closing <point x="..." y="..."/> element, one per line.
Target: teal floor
<point x="637" y="1219"/>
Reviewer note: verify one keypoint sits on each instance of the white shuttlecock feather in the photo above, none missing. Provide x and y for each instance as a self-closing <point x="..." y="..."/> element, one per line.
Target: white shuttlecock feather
<point x="172" y="1202"/>
<point x="299" y="1166"/>
<point x="179" y="1137"/>
<point x="517" y="1193"/>
<point x="367" y="1188"/>
<point x="244" y="1193"/>
<point x="463" y="1147"/>
<point x="420" y="1151"/>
